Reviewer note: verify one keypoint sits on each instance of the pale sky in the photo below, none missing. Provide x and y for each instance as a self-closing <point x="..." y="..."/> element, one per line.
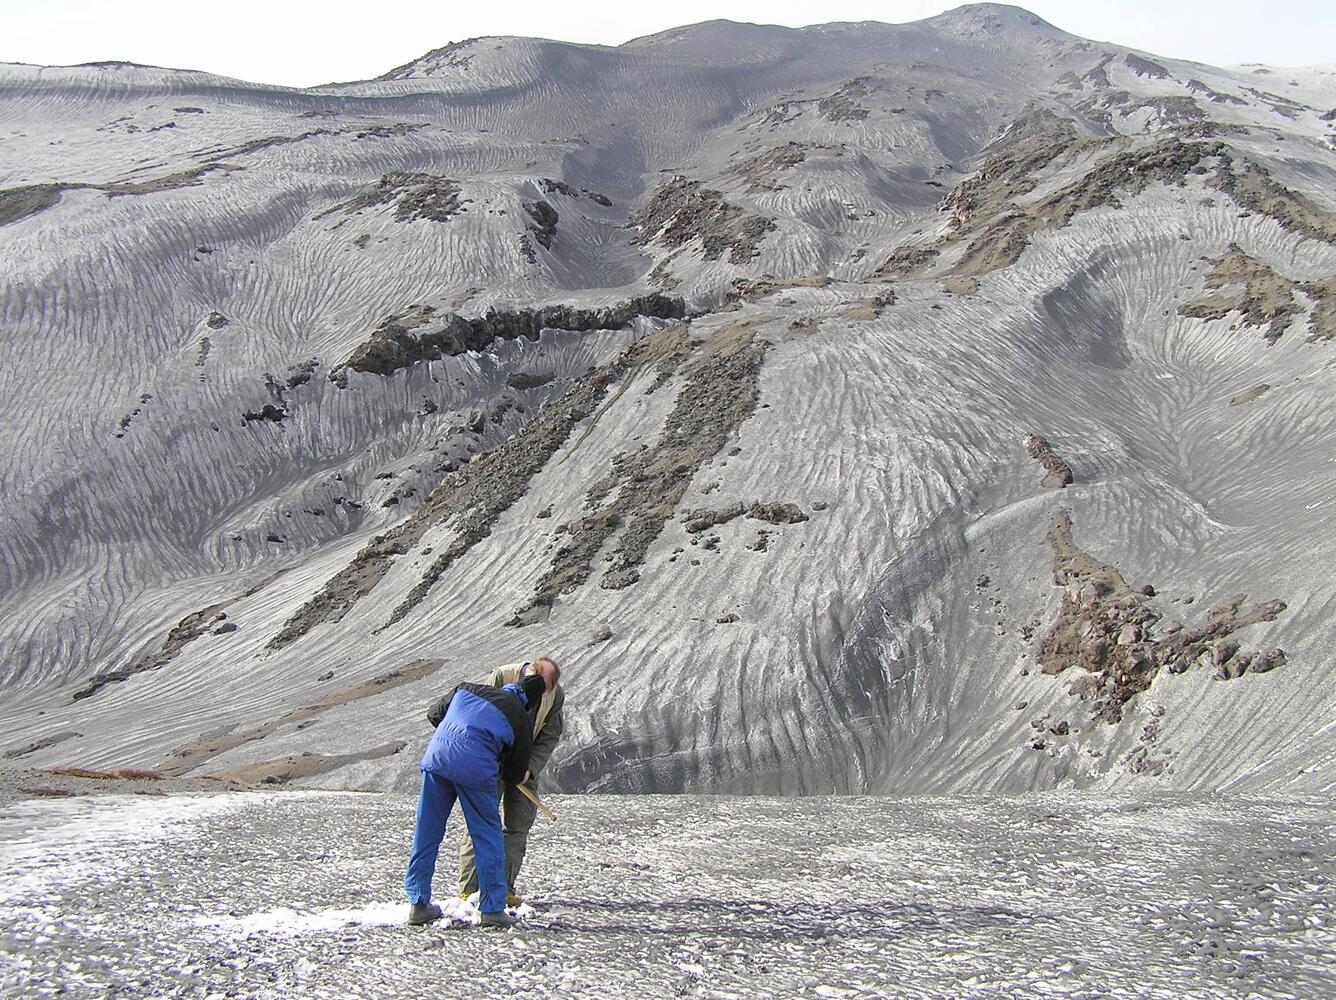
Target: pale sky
<point x="305" y="42"/>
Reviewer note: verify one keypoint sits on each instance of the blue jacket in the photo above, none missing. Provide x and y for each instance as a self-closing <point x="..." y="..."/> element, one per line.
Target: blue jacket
<point x="482" y="735"/>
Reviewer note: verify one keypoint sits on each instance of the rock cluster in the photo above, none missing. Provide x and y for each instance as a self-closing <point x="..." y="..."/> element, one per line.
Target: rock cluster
<point x="1108" y="630"/>
<point x="397" y="344"/>
<point x="415" y="196"/>
<point x="1057" y="473"/>
<point x="685" y="210"/>
<point x="1266" y="298"/>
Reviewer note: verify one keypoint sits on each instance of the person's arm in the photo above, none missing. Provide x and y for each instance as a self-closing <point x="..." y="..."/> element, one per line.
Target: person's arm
<point x="437" y="711"/>
<point x="515" y="758"/>
<point x="546" y="741"/>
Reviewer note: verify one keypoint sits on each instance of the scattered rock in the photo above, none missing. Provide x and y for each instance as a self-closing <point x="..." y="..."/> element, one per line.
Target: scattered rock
<point x="727" y="619"/>
<point x="1268" y="661"/>
<point x="699" y="520"/>
<point x="269" y="412"/>
<point x="777" y="513"/>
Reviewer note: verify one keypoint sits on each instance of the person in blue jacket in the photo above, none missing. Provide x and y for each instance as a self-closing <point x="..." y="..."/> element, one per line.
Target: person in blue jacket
<point x="482" y="737"/>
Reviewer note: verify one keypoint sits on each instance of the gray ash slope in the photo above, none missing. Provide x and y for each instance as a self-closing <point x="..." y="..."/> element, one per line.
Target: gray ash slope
<point x="740" y="367"/>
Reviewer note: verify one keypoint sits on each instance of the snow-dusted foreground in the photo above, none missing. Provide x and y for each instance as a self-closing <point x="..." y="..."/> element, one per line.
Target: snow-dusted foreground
<point x="297" y="894"/>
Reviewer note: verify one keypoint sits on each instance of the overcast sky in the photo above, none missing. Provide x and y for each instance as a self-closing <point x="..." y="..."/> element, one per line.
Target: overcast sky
<point x="304" y="42"/>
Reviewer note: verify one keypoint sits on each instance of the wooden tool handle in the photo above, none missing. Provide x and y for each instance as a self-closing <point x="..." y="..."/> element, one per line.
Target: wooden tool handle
<point x="524" y="790"/>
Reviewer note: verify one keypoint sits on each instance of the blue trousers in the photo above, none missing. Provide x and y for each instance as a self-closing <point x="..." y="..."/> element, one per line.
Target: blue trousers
<point x="482" y="816"/>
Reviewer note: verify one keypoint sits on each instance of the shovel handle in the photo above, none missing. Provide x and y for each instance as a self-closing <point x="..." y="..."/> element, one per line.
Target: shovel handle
<point x="524" y="790"/>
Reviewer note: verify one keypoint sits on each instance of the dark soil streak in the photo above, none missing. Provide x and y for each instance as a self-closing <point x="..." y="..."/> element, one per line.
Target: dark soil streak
<point x="470" y="500"/>
<point x="720" y="391"/>
<point x="181" y="635"/>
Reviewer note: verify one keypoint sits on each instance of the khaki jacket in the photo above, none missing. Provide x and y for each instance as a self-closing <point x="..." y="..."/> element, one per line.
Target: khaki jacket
<point x="547" y="725"/>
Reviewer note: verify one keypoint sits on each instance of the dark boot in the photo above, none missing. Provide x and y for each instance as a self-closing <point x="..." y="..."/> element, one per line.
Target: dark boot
<point x="423" y="913"/>
<point x="498" y="919"/>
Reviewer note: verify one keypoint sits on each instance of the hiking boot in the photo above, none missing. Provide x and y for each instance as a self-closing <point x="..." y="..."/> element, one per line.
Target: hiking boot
<point x="498" y="919"/>
<point x="513" y="900"/>
<point x="423" y="913"/>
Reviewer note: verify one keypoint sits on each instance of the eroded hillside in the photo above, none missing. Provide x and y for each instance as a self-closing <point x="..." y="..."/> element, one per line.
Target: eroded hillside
<point x="941" y="406"/>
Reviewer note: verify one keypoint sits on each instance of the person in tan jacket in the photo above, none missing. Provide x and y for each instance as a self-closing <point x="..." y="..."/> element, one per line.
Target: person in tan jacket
<point x="517" y="812"/>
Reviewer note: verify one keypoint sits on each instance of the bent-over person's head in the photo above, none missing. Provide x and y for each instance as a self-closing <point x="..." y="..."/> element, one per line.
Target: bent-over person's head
<point x="547" y="668"/>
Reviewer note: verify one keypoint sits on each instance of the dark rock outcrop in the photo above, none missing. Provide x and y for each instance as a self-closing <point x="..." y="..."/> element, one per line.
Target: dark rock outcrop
<point x="1108" y="630"/>
<point x="397" y="344"/>
<point x="414" y="195"/>
<point x="544" y="225"/>
<point x="1057" y="473"/>
<point x="685" y="210"/>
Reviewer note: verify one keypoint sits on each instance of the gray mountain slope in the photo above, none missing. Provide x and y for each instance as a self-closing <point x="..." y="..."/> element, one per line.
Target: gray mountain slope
<point x="739" y="367"/>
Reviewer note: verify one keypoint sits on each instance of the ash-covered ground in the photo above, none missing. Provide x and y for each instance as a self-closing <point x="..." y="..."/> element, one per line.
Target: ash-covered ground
<point x="297" y="894"/>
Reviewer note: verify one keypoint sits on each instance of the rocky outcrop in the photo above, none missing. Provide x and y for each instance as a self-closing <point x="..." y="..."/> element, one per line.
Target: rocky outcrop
<point x="904" y="262"/>
<point x="397" y="342"/>
<point x="1145" y="67"/>
<point x="1010" y="169"/>
<point x="1057" y="473"/>
<point x="987" y="208"/>
<point x="1267" y="299"/>
<point x="1107" y="630"/>
<point x="842" y="105"/>
<point x="414" y="196"/>
<point x="1129" y="172"/>
<point x="19" y="203"/>
<point x="684" y="210"/>
<point x="759" y="170"/>
<point x="1257" y="191"/>
<point x="544" y="222"/>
